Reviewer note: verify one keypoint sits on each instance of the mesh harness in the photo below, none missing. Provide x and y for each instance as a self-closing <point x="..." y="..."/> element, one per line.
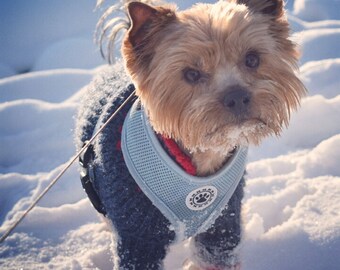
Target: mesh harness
<point x="190" y="203"/>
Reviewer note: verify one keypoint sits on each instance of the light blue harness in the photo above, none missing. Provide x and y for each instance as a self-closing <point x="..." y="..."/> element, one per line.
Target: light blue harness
<point x="191" y="203"/>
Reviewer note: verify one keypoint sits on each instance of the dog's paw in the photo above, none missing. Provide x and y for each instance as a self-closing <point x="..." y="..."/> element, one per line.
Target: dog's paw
<point x="190" y="265"/>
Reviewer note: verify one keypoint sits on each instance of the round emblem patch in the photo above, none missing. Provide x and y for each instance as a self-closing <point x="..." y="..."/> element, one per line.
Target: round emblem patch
<point x="201" y="198"/>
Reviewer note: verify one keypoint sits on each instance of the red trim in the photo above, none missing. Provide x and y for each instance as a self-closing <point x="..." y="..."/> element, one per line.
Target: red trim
<point x="181" y="158"/>
<point x="176" y="153"/>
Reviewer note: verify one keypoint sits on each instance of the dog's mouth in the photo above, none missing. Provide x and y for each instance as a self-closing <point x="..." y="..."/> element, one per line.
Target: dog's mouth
<point x="240" y="124"/>
<point x="242" y="132"/>
<point x="252" y="121"/>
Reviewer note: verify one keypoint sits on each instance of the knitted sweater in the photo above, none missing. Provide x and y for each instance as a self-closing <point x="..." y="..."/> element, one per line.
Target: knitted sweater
<point x="144" y="233"/>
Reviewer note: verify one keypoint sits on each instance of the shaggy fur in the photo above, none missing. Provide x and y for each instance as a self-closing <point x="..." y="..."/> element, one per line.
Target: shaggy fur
<point x="213" y="77"/>
<point x="213" y="40"/>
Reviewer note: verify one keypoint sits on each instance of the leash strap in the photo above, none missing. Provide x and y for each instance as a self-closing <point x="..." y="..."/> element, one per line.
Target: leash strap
<point x="66" y="167"/>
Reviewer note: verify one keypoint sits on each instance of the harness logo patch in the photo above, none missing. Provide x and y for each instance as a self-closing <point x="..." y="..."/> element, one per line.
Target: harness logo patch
<point x="201" y="198"/>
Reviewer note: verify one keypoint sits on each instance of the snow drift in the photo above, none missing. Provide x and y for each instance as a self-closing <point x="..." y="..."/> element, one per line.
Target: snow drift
<point x="292" y="203"/>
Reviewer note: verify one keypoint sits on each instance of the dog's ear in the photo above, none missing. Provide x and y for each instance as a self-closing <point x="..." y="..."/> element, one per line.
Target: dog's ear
<point x="143" y="17"/>
<point x="268" y="7"/>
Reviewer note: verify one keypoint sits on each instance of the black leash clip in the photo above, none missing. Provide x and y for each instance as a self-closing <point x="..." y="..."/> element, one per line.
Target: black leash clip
<point x="87" y="177"/>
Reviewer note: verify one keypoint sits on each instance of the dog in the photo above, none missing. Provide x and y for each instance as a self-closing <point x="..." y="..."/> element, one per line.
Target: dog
<point x="210" y="80"/>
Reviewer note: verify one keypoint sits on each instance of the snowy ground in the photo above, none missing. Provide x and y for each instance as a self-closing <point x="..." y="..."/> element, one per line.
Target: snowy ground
<point x="292" y="204"/>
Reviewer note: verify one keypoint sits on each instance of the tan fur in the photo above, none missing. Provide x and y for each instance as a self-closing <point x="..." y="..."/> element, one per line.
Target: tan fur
<point x="214" y="39"/>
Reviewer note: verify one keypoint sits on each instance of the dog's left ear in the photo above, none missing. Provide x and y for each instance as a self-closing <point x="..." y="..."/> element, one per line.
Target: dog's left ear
<point x="268" y="7"/>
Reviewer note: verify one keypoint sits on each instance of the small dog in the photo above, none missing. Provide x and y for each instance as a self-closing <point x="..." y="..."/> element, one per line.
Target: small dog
<point x="211" y="79"/>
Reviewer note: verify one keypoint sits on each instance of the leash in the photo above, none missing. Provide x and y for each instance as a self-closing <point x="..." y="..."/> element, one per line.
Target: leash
<point x="68" y="165"/>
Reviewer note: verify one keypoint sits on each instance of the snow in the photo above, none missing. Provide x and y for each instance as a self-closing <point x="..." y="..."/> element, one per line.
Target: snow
<point x="316" y="10"/>
<point x="32" y="29"/>
<point x="317" y="44"/>
<point x="292" y="203"/>
<point x="75" y="52"/>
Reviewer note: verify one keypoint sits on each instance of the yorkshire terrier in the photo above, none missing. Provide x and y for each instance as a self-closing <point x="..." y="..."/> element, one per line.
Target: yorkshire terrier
<point x="210" y="80"/>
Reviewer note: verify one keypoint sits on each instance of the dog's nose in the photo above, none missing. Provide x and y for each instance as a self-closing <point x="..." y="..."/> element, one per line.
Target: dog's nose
<point x="237" y="100"/>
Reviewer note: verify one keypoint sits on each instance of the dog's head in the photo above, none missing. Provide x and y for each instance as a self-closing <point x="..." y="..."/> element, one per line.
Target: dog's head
<point x="214" y="76"/>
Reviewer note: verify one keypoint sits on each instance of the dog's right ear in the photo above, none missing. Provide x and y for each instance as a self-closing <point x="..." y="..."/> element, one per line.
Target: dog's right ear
<point x="148" y="26"/>
<point x="145" y="19"/>
<point x="141" y="16"/>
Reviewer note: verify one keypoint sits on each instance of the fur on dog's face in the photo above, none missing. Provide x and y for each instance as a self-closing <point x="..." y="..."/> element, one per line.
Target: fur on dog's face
<point x="214" y="76"/>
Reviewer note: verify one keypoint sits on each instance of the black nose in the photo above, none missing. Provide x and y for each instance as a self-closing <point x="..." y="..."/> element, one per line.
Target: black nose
<point x="237" y="100"/>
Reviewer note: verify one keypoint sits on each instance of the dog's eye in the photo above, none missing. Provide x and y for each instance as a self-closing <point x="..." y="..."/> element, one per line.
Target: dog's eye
<point x="192" y="75"/>
<point x="252" y="60"/>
